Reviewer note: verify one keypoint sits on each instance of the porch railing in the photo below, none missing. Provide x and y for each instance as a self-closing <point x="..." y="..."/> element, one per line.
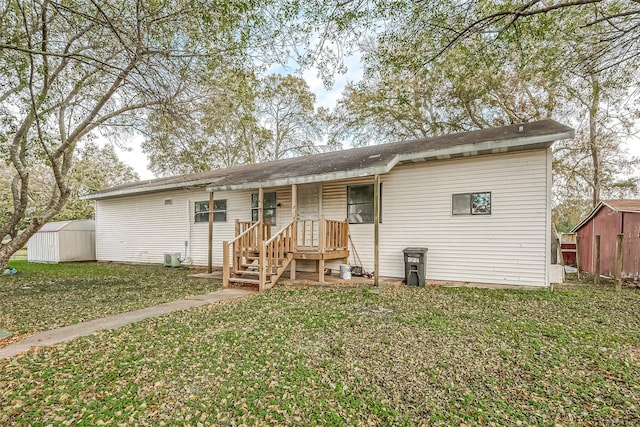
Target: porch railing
<point x="242" y="247"/>
<point x="322" y="235"/>
<point x="242" y="226"/>
<point x="274" y="255"/>
<point x="335" y="235"/>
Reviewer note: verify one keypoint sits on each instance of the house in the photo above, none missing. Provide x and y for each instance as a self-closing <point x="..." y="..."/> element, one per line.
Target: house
<point x="608" y="219"/>
<point x="479" y="201"/>
<point x="63" y="241"/>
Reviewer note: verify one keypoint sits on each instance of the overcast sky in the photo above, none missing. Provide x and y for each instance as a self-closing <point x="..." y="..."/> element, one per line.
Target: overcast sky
<point x="324" y="98"/>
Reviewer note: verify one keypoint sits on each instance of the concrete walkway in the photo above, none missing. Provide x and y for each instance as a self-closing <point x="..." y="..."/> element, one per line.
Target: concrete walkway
<point x="68" y="333"/>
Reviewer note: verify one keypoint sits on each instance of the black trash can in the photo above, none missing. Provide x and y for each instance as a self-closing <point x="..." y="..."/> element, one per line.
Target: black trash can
<point x="415" y="266"/>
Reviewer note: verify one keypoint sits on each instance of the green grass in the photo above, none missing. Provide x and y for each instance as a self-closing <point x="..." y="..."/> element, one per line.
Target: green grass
<point x="323" y="356"/>
<point x="20" y="255"/>
<point x="46" y="296"/>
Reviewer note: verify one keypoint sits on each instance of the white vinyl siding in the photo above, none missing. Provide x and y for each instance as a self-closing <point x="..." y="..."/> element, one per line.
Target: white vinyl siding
<point x="506" y="247"/>
<point x="141" y="228"/>
<point x="509" y="246"/>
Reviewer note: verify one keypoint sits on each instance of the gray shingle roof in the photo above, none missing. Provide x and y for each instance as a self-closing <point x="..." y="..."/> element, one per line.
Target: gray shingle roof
<point x="365" y="161"/>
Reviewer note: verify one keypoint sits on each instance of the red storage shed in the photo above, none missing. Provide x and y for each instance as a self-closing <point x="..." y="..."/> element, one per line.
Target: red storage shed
<point x="608" y="219"/>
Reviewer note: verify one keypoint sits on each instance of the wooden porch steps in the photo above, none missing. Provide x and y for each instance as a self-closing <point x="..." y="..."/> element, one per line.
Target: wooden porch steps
<point x="259" y="262"/>
<point x="255" y="282"/>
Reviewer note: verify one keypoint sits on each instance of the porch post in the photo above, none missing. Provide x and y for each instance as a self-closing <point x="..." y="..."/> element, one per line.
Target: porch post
<point x="210" y="249"/>
<point x="294" y="201"/>
<point x="294" y="232"/>
<point x="260" y="215"/>
<point x="376" y="230"/>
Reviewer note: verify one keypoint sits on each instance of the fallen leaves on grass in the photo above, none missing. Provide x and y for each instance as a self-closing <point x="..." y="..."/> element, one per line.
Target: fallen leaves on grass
<point x="308" y="356"/>
<point x="45" y="296"/>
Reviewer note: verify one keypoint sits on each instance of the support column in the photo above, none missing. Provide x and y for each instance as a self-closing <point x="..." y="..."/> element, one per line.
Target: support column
<point x="294" y="201"/>
<point x="294" y="234"/>
<point x="260" y="215"/>
<point x="376" y="231"/>
<point x="210" y="238"/>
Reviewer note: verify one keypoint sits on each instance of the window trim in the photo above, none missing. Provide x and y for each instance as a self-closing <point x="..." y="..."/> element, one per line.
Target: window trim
<point x="199" y="214"/>
<point x="349" y="187"/>
<point x="470" y="210"/>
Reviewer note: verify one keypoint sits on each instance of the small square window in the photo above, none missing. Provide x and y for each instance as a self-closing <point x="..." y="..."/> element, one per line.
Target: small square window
<point x="219" y="211"/>
<point x="471" y="204"/>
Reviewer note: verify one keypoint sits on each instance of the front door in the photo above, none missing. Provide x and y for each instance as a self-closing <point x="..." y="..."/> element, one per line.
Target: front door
<point x="308" y="215"/>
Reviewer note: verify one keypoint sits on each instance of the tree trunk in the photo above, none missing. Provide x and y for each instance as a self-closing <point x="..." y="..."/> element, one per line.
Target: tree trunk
<point x="593" y="142"/>
<point x="4" y="259"/>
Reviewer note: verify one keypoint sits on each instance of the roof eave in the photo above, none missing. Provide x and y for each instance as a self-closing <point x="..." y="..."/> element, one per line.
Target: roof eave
<point x="305" y="179"/>
<point x="591" y="215"/>
<point x="618" y="209"/>
<point x="467" y="150"/>
<point x="145" y="190"/>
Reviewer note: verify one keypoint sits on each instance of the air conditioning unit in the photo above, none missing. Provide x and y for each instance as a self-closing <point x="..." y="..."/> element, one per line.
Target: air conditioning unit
<point x="172" y="259"/>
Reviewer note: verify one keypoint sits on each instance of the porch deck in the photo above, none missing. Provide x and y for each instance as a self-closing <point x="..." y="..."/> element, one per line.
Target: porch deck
<point x="258" y="259"/>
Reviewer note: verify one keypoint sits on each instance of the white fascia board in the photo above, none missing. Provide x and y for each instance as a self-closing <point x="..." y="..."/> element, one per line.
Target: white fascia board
<point x="591" y="215"/>
<point x="143" y="190"/>
<point x="306" y="179"/>
<point x="492" y="147"/>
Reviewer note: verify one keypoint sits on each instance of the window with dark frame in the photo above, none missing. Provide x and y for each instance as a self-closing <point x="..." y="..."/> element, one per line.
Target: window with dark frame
<point x="360" y="204"/>
<point x="269" y="208"/>
<point x="219" y="211"/>
<point x="471" y="204"/>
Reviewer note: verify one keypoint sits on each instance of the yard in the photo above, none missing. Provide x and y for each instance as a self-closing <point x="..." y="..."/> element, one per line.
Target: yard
<point x="47" y="296"/>
<point x="328" y="356"/>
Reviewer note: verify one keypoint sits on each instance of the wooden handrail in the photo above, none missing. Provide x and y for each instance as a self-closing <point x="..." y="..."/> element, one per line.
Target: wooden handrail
<point x="336" y="234"/>
<point x="323" y="235"/>
<point x="248" y="230"/>
<point x="274" y="252"/>
<point x="280" y="232"/>
<point x="240" y="248"/>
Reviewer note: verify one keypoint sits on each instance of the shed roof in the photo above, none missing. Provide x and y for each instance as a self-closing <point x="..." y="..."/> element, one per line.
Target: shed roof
<point x="71" y="225"/>
<point x="617" y="205"/>
<point x="355" y="162"/>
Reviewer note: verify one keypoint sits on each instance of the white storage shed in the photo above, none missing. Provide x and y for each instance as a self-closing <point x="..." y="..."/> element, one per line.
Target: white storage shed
<point x="63" y="241"/>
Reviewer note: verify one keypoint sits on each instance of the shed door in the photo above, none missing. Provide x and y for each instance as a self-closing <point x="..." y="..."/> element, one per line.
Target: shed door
<point x="308" y="215"/>
<point x="631" y="246"/>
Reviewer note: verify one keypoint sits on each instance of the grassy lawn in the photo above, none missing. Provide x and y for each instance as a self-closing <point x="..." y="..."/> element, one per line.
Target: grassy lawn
<point x="325" y="356"/>
<point x="46" y="296"/>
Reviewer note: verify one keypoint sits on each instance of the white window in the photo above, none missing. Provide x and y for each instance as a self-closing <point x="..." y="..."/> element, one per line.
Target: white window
<point x="360" y="204"/>
<point x="269" y="208"/>
<point x="219" y="211"/>
<point x="471" y="204"/>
